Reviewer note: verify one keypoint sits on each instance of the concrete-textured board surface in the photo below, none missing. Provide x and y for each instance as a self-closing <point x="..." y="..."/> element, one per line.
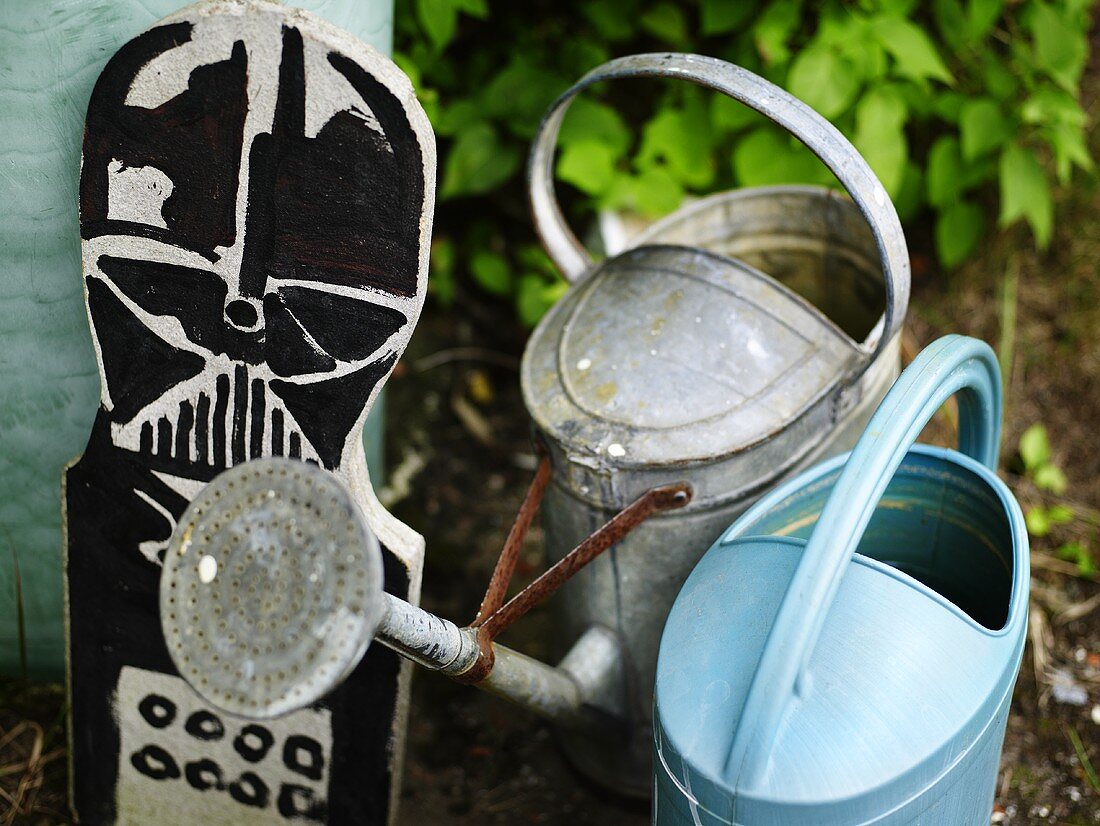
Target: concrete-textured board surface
<point x="256" y="195"/>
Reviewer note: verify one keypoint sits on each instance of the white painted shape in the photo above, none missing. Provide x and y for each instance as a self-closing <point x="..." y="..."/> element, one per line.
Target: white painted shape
<point x="328" y="93"/>
<point x="150" y="549"/>
<point x="173" y="802"/>
<point x="166" y="76"/>
<point x="137" y="194"/>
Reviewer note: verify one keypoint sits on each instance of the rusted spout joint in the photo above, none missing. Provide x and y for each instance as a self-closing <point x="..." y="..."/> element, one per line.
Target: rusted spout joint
<point x="495" y="615"/>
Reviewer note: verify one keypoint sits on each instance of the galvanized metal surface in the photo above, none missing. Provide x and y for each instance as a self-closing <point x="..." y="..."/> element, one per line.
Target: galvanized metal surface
<point x="698" y="356"/>
<point x="428" y="640"/>
<point x="800" y="684"/>
<point x="820" y="136"/>
<point x="272" y="591"/>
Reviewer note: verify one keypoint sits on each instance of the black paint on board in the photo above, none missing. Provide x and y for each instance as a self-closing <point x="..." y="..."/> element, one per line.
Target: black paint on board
<point x="184" y="353"/>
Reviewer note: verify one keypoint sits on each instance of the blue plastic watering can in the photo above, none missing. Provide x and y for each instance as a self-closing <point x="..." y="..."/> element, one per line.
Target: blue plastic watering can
<point x="846" y="652"/>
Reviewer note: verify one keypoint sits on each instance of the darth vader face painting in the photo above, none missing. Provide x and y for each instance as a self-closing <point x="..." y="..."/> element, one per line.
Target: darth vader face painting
<point x="256" y="193"/>
<point x="252" y="209"/>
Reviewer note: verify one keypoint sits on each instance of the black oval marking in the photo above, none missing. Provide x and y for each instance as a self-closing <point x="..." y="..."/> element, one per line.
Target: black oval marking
<point x="253" y="753"/>
<point x="249" y="790"/>
<point x="158" y="711"/>
<point x="297" y="746"/>
<point x="204" y="774"/>
<point x="155" y="762"/>
<point x="301" y="801"/>
<point x="202" y="725"/>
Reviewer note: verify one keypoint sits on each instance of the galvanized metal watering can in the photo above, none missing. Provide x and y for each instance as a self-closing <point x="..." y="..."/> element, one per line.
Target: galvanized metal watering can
<point x="692" y="357"/>
<point x="846" y="653"/>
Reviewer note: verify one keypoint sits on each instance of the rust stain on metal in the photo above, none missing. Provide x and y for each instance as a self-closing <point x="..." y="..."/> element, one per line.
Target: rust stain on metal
<point x="655" y="500"/>
<point x="509" y="554"/>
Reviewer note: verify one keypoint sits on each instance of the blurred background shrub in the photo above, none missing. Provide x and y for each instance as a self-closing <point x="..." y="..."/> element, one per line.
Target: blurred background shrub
<point x="968" y="111"/>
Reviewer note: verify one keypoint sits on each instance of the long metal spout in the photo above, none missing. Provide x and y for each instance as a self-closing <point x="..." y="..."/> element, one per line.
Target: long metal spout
<point x="579" y="695"/>
<point x="272" y="592"/>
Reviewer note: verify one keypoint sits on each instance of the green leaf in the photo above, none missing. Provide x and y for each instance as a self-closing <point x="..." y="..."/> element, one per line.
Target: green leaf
<point x="588" y="120"/>
<point x="723" y="16"/>
<point x="681" y="138"/>
<point x="913" y="51"/>
<point x="457" y="117"/>
<point x="1052" y="105"/>
<point x="1068" y="143"/>
<point x="1037" y="521"/>
<point x="910" y="195"/>
<point x="612" y="19"/>
<point x="520" y="93"/>
<point x="980" y="17"/>
<point x="879" y="135"/>
<point x="1061" y="48"/>
<point x="948" y="105"/>
<point x="439" y="18"/>
<point x="768" y="156"/>
<point x="407" y="65"/>
<point x="1071" y="551"/>
<point x="774" y="28"/>
<point x="982" y="127"/>
<point x="579" y="54"/>
<point x="589" y="165"/>
<point x="534" y="258"/>
<point x="1034" y="448"/>
<point x="667" y="22"/>
<point x="729" y="115"/>
<point x="656" y="192"/>
<point x="823" y="80"/>
<point x="997" y="79"/>
<point x="1060" y="514"/>
<point x="1077" y="553"/>
<point x="491" y="271"/>
<point x="441" y="281"/>
<point x="959" y="227"/>
<point x="536" y="295"/>
<point x="1050" y="477"/>
<point x="477" y="163"/>
<point x="951" y="22"/>
<point x="1025" y="193"/>
<point x="474" y="8"/>
<point x="895" y="7"/>
<point x="944" y="173"/>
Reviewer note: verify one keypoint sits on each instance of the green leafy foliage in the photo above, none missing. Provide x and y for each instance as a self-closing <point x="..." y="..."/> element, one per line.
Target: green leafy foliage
<point x="1036" y="456"/>
<point x="1040" y="520"/>
<point x="1035" y="453"/>
<point x="967" y="110"/>
<point x="1079" y="555"/>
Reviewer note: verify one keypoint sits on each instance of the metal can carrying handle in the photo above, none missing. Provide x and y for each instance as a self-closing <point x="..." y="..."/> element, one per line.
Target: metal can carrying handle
<point x="950" y="365"/>
<point x="819" y="136"/>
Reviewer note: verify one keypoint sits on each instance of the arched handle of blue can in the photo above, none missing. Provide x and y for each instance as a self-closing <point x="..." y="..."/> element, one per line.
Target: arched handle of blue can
<point x="949" y="366"/>
<point x="819" y="136"/>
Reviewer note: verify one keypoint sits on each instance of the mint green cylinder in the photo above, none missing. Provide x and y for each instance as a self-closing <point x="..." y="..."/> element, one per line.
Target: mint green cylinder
<point x="51" y="53"/>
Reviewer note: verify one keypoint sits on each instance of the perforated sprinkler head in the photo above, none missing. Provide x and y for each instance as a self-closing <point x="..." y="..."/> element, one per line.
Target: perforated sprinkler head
<point x="272" y="588"/>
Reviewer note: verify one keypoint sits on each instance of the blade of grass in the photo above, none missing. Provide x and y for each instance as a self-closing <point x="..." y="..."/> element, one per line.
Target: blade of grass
<point x="20" y="617"/>
<point x="1083" y="759"/>
<point x="1006" y="346"/>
